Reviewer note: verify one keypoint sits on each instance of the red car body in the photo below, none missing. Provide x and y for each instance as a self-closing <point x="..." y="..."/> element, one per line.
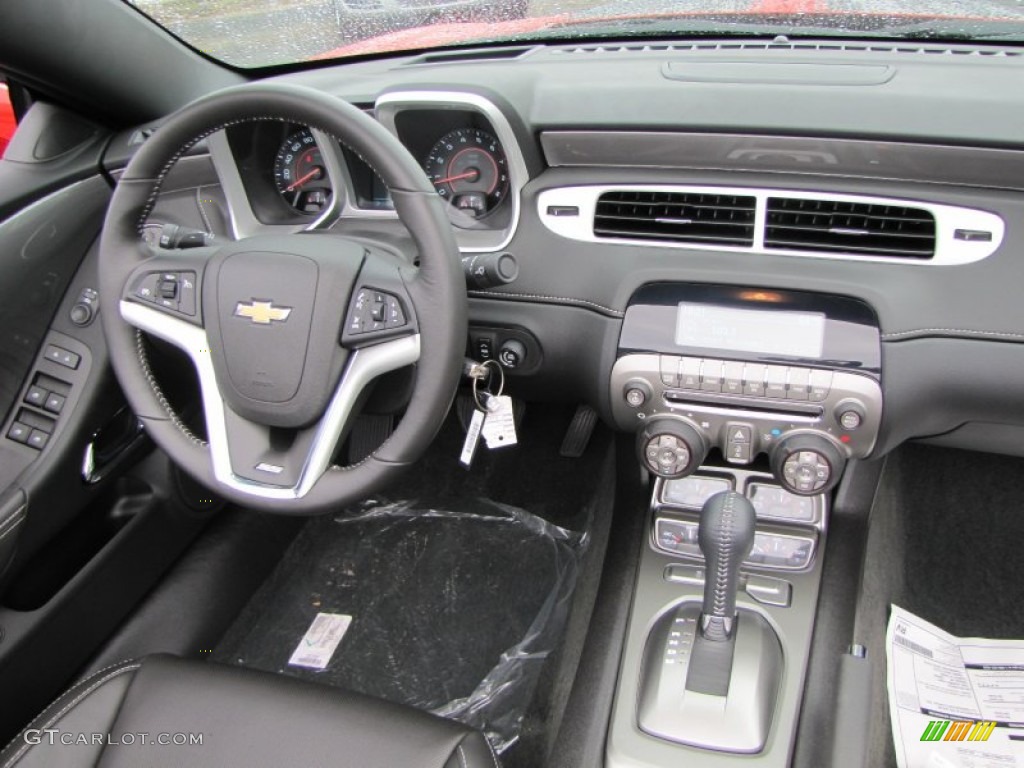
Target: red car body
<point x="7" y="122"/>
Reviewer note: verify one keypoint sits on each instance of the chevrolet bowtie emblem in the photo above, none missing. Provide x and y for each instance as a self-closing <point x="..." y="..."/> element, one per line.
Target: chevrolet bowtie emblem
<point x="262" y="312"/>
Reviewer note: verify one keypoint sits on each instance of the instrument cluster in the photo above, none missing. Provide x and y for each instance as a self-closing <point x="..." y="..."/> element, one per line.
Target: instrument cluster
<point x="458" y="151"/>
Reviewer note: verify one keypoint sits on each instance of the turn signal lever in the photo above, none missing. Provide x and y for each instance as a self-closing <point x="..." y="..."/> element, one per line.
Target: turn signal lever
<point x="725" y="536"/>
<point x="488" y="270"/>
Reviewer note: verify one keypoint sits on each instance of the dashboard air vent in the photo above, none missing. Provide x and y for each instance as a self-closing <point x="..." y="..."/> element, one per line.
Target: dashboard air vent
<point x="868" y="229"/>
<point x="688" y="217"/>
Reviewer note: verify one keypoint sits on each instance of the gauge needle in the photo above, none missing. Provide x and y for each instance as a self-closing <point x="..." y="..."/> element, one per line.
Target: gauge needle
<point x="470" y="174"/>
<point x="314" y="174"/>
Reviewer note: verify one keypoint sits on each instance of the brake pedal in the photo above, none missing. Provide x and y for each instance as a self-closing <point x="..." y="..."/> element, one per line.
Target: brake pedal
<point x="577" y="437"/>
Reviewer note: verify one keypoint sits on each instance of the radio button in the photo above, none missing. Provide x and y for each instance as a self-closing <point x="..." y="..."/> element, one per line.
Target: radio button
<point x="732" y="383"/>
<point x="711" y="380"/>
<point x="689" y="373"/>
<point x="799" y="384"/>
<point x="670" y="371"/>
<point x="821" y="384"/>
<point x="753" y="380"/>
<point x="775" y="384"/>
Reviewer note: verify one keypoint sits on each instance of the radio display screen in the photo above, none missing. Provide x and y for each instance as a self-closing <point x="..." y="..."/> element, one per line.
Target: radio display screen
<point x="765" y="332"/>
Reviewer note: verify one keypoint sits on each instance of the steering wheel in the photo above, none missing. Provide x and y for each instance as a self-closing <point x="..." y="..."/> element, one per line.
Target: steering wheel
<point x="285" y="331"/>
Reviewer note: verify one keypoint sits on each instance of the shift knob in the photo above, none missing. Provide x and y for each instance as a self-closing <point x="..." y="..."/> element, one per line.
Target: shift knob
<point x="725" y="536"/>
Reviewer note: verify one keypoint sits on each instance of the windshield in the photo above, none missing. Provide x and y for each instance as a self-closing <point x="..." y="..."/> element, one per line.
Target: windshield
<point x="261" y="33"/>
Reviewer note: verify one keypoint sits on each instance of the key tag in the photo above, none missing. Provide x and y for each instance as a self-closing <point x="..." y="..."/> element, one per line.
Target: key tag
<point x="499" y="428"/>
<point x="484" y="401"/>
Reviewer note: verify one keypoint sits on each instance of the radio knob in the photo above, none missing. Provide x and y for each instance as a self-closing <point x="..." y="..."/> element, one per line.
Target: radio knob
<point x="850" y="414"/>
<point x="671" y="448"/>
<point x="636" y="393"/>
<point x="807" y="464"/>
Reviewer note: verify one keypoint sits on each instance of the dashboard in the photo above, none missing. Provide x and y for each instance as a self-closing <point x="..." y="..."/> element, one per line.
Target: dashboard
<point x="606" y="172"/>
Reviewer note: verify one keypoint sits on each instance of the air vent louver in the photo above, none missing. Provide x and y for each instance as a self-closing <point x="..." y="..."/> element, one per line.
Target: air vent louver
<point x="867" y="229"/>
<point x="676" y="216"/>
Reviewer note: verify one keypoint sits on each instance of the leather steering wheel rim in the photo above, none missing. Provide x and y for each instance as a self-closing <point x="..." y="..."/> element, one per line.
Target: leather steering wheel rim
<point x="437" y="289"/>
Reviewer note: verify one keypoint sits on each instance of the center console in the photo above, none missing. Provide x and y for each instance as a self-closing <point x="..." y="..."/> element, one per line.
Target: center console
<point x="747" y="404"/>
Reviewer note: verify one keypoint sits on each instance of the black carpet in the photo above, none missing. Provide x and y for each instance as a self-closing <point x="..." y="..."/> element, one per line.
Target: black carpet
<point x="456" y="601"/>
<point x="944" y="543"/>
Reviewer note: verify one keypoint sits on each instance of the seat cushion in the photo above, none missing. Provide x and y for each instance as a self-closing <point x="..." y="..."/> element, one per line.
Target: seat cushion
<point x="118" y="717"/>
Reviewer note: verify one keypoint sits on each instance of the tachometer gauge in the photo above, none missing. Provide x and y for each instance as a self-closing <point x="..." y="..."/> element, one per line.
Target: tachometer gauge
<point x="300" y="174"/>
<point x="469" y="169"/>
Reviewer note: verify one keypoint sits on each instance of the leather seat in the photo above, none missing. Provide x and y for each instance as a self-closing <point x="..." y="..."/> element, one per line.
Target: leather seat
<point x="244" y="718"/>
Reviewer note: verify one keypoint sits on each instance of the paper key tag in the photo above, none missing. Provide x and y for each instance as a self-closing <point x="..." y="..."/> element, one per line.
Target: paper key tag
<point x="320" y="641"/>
<point x="472" y="437"/>
<point x="500" y="425"/>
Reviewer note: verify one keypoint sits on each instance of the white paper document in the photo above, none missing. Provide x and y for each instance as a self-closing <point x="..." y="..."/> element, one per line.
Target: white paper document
<point x="955" y="702"/>
<point x="317" y="646"/>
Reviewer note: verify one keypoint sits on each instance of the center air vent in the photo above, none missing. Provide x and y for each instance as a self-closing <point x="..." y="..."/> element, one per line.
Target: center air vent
<point x="870" y="229"/>
<point x="687" y="217"/>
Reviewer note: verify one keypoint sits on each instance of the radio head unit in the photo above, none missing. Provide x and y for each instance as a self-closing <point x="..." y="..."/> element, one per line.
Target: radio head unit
<point x="749" y="371"/>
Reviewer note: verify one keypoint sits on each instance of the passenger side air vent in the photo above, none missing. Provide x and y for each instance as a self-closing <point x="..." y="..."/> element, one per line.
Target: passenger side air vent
<point x="868" y="229"/>
<point x="687" y="217"/>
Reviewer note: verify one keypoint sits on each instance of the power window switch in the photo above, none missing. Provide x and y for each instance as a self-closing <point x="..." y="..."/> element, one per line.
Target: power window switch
<point x="37" y="396"/>
<point x="19" y="432"/>
<point x="54" y="403"/>
<point x="37" y="439"/>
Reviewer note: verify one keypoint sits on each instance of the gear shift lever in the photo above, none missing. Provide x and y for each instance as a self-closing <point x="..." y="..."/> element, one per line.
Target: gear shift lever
<point x="725" y="536"/>
<point x="730" y="659"/>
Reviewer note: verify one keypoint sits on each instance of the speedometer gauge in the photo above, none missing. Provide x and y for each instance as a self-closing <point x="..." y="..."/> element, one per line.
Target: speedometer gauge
<point x="469" y="169"/>
<point x="300" y="174"/>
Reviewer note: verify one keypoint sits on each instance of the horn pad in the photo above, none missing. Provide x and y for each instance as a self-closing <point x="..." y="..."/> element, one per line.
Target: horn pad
<point x="273" y="318"/>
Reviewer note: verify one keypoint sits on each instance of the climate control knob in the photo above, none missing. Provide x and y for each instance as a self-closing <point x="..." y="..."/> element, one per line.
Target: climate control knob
<point x="807" y="464"/>
<point x="671" y="448"/>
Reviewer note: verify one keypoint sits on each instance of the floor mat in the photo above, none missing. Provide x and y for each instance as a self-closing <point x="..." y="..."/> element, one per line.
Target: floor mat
<point x="454" y="611"/>
<point x="944" y="543"/>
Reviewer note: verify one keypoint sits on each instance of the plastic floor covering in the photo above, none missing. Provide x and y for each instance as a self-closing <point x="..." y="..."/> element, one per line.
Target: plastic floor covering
<point x="453" y="610"/>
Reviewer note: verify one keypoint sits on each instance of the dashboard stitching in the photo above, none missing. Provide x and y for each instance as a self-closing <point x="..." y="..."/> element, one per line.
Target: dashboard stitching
<point x="970" y="332"/>
<point x="543" y="297"/>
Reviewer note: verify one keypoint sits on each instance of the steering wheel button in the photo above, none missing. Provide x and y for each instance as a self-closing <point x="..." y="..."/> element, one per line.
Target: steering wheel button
<point x="169" y="287"/>
<point x="187" y="293"/>
<point x="395" y="316"/>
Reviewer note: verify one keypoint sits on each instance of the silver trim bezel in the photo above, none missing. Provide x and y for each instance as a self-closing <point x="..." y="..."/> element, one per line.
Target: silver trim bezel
<point x="363" y="366"/>
<point x="948" y="251"/>
<point x="243" y="219"/>
<point x="390" y="104"/>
